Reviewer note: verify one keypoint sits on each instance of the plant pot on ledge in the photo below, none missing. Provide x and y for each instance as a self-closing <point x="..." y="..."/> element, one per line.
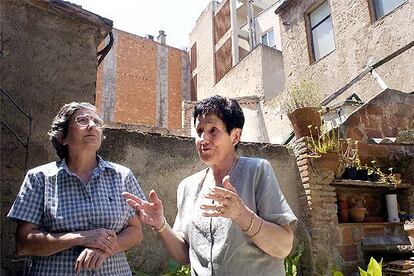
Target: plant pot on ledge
<point x="301" y="118"/>
<point x="357" y="214"/>
<point x="325" y="165"/>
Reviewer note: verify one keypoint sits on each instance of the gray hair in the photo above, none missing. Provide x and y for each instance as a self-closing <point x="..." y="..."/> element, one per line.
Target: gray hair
<point x="59" y="128"/>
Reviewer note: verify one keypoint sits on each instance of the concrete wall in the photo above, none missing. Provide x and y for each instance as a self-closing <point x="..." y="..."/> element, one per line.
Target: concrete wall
<point x="358" y="42"/>
<point x="143" y="82"/>
<point x="265" y="21"/>
<point x="48" y="58"/>
<point x="160" y="162"/>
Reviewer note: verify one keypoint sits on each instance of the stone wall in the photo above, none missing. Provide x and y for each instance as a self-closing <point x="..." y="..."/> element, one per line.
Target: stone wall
<point x="48" y="58"/>
<point x="160" y="162"/>
<point x="358" y="42"/>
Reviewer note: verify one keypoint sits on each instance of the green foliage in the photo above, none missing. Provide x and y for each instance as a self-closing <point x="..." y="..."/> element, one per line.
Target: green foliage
<point x="300" y="95"/>
<point x="176" y="269"/>
<point x="374" y="268"/>
<point x="327" y="141"/>
<point x="292" y="261"/>
<point x="336" y="272"/>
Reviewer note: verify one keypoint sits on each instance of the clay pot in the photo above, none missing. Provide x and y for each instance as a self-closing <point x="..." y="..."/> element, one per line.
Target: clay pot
<point x="357" y="214"/>
<point x="343" y="211"/>
<point x="301" y="118"/>
<point x="325" y="165"/>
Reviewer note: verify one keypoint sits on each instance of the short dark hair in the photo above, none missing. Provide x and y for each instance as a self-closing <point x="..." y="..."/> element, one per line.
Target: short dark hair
<point x="60" y="125"/>
<point x="228" y="110"/>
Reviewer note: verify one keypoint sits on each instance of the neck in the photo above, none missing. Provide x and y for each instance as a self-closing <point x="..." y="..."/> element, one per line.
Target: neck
<point x="82" y="164"/>
<point x="225" y="168"/>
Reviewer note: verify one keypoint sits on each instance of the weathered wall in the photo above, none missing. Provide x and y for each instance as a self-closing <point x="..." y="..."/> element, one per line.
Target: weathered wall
<point x="358" y="42"/>
<point x="48" y="58"/>
<point x="143" y="82"/>
<point x="267" y="20"/>
<point x="161" y="162"/>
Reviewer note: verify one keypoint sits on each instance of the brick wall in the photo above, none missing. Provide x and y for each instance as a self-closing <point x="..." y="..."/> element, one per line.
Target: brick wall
<point x="131" y="78"/>
<point x="223" y="60"/>
<point x="222" y="21"/>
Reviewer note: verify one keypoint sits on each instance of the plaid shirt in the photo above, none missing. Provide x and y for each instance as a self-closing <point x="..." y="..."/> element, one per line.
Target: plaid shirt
<point x="57" y="200"/>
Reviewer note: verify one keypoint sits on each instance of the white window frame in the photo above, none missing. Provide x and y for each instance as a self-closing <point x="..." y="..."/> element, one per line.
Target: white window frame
<point x="266" y="34"/>
<point x="311" y="28"/>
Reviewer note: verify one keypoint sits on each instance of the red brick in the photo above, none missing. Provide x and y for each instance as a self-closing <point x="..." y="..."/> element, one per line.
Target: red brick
<point x="363" y="149"/>
<point x="348" y="252"/>
<point x="374" y="121"/>
<point x="364" y="120"/>
<point x="350" y="235"/>
<point x="379" y="151"/>
<point x="354" y="133"/>
<point x="374" y="133"/>
<point x="354" y="120"/>
<point x="389" y="131"/>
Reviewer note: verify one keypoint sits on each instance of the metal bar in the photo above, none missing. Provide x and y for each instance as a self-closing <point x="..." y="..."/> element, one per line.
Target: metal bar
<point x="10" y="98"/>
<point x="18" y="138"/>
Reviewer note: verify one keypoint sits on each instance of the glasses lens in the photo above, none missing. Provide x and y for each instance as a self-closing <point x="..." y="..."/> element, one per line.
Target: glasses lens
<point x="84" y="120"/>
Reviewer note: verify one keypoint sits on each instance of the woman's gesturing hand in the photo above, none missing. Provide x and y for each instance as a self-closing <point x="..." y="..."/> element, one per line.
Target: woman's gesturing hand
<point x="103" y="239"/>
<point x="227" y="202"/>
<point x="150" y="212"/>
<point x="90" y="258"/>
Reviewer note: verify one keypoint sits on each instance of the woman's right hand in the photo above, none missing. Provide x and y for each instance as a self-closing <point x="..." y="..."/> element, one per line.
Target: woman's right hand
<point x="150" y="212"/>
<point x="103" y="239"/>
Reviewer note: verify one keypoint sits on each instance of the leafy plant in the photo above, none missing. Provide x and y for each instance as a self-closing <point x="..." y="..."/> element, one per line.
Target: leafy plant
<point x="176" y="269"/>
<point x="300" y="95"/>
<point x="327" y="140"/>
<point x="374" y="268"/>
<point x="292" y="261"/>
<point x="391" y="179"/>
<point x="336" y="272"/>
<point x="350" y="157"/>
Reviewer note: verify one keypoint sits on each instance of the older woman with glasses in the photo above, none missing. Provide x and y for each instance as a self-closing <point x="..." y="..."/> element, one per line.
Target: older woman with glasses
<point x="232" y="217"/>
<point x="71" y="217"/>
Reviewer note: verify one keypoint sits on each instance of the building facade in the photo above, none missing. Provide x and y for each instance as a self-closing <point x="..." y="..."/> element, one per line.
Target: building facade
<point x="142" y="81"/>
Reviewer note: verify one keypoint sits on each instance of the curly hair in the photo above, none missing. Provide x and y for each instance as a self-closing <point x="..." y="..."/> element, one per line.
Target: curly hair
<point x="59" y="128"/>
<point x="228" y="110"/>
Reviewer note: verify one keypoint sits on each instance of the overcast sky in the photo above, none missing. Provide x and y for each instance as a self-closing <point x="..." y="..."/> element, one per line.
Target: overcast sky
<point x="176" y="18"/>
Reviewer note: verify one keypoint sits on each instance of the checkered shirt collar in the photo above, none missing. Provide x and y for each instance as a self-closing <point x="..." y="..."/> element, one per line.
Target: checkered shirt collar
<point x="102" y="165"/>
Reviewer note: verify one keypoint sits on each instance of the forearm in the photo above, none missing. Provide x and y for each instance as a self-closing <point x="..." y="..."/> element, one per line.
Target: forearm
<point x="51" y="243"/>
<point x="129" y="237"/>
<point x="176" y="246"/>
<point x="264" y="234"/>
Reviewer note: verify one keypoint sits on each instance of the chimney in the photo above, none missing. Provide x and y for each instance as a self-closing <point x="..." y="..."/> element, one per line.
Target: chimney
<point x="148" y="36"/>
<point x="161" y="37"/>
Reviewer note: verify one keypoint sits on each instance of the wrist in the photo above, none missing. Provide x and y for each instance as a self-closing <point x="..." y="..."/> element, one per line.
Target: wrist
<point x="160" y="228"/>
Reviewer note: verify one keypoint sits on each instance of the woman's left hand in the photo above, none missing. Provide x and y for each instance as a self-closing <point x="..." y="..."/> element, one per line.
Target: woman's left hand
<point x="90" y="258"/>
<point x="227" y="202"/>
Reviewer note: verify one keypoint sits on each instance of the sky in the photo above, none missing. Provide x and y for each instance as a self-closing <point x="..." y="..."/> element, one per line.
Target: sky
<point x="176" y="18"/>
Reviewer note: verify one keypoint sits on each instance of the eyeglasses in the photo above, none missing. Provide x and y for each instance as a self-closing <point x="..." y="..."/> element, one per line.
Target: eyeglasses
<point x="84" y="120"/>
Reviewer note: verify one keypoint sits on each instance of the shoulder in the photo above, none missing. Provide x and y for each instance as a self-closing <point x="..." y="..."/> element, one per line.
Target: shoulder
<point x="49" y="169"/>
<point x="116" y="167"/>
<point x="253" y="163"/>
<point x="191" y="181"/>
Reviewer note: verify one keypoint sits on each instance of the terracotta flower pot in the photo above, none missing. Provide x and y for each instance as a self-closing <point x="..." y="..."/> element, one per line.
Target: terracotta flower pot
<point x="325" y="165"/>
<point x="357" y="214"/>
<point x="301" y="118"/>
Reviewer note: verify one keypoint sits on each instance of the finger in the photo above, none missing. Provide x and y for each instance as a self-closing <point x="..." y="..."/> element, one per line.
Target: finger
<point x="79" y="260"/>
<point x="208" y="207"/>
<point x="130" y="196"/>
<point x="154" y="198"/>
<point x="212" y="214"/>
<point x="100" y="261"/>
<point x="227" y="185"/>
<point x="221" y="192"/>
<point x="94" y="260"/>
<point x="87" y="259"/>
<point x="215" y="197"/>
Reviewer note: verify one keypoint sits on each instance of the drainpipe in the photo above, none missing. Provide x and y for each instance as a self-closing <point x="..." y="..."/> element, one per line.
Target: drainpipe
<point x="102" y="53"/>
<point x="234" y="33"/>
<point x="252" y="27"/>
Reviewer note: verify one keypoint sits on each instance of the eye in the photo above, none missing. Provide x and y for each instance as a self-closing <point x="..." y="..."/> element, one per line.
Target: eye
<point x="199" y="132"/>
<point x="213" y="131"/>
<point x="82" y="120"/>
<point x="98" y="122"/>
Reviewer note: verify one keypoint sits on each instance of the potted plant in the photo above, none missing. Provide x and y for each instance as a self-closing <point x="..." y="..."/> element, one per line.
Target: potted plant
<point x="302" y="105"/>
<point x="391" y="179"/>
<point x="324" y="148"/>
<point x="358" y="211"/>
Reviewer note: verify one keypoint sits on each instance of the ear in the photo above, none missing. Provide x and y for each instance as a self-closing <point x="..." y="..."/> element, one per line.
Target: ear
<point x="61" y="140"/>
<point x="236" y="135"/>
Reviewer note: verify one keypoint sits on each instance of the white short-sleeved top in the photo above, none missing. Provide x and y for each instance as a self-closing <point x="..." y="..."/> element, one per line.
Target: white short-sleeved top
<point x="217" y="246"/>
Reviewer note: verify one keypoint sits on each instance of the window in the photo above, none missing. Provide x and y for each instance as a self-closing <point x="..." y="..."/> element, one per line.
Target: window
<point x="322" y="37"/>
<point x="268" y="38"/>
<point x="383" y="7"/>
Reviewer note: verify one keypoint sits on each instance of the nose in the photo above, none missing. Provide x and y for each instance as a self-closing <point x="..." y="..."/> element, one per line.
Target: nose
<point x="91" y="124"/>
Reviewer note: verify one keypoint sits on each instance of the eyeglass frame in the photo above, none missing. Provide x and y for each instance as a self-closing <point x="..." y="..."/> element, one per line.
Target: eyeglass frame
<point x="98" y="122"/>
